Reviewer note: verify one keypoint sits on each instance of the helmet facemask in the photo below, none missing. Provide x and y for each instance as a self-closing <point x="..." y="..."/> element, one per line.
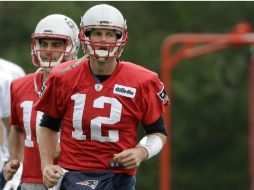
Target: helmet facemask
<point x="51" y="61"/>
<point x="103" y="17"/>
<point x="54" y="27"/>
<point x="106" y="50"/>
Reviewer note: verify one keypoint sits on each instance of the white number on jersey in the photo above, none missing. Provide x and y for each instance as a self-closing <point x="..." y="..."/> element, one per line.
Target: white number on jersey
<point x="27" y="113"/>
<point x="96" y="123"/>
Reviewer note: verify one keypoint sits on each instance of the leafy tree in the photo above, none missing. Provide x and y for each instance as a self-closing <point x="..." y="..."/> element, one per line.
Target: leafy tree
<point x="209" y="94"/>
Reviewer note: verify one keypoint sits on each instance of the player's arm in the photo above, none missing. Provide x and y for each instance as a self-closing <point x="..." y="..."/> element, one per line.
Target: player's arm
<point x="16" y="140"/>
<point x="4" y="124"/>
<point x="149" y="146"/>
<point x="58" y="149"/>
<point x="48" y="141"/>
<point x="1" y="132"/>
<point x="47" y="146"/>
<point x="156" y="137"/>
<point x="16" y="144"/>
<point x="6" y="121"/>
<point x="10" y="169"/>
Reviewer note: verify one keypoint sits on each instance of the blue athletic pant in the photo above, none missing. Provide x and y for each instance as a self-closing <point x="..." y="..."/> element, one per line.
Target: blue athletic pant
<point x="77" y="180"/>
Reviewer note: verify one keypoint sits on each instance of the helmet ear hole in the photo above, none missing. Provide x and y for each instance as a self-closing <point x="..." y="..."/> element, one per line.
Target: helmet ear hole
<point x="119" y="36"/>
<point x="87" y="33"/>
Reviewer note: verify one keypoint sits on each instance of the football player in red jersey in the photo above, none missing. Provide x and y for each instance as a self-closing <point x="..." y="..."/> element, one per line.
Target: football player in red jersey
<point x="54" y="41"/>
<point x="99" y="103"/>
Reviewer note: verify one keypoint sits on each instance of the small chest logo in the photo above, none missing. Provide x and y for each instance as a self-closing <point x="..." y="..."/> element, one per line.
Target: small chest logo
<point x="124" y="91"/>
<point x="43" y="88"/>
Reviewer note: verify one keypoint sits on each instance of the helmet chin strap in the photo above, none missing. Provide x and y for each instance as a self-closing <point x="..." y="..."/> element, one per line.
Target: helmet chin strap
<point x="35" y="83"/>
<point x="50" y="64"/>
<point x="102" y="53"/>
<point x="102" y="60"/>
<point x="45" y="71"/>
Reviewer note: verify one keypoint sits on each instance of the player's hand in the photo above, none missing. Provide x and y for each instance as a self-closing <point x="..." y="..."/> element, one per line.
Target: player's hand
<point x="131" y="158"/>
<point x="10" y="169"/>
<point x="51" y="175"/>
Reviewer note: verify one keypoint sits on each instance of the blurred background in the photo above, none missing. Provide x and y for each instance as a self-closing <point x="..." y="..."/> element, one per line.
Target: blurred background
<point x="209" y="104"/>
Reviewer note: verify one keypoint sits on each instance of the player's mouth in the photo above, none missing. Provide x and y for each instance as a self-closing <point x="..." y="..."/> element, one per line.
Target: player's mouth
<point x="103" y="48"/>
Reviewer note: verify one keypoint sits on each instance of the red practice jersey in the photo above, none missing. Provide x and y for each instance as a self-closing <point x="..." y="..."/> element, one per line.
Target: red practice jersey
<point x="100" y="119"/>
<point x="23" y="97"/>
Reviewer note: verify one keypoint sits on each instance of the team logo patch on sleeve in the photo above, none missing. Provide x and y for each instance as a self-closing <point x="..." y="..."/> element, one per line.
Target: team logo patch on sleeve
<point x="124" y="91"/>
<point x="163" y="95"/>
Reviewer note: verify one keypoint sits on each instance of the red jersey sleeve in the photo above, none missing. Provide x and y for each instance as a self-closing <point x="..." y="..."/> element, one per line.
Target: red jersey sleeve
<point x="14" y="119"/>
<point x="51" y="100"/>
<point x="155" y="98"/>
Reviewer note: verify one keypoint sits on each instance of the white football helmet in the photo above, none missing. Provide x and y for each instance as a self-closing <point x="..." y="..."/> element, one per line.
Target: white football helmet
<point x="55" y="26"/>
<point x="103" y="17"/>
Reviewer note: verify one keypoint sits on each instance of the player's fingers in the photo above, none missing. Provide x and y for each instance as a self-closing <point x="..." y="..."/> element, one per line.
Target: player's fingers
<point x="121" y="155"/>
<point x="48" y="184"/>
<point x="53" y="174"/>
<point x="12" y="170"/>
<point x="50" y="181"/>
<point x="15" y="164"/>
<point x="59" y="171"/>
<point x="130" y="162"/>
<point x="117" y="156"/>
<point x="132" y="165"/>
<point x="127" y="159"/>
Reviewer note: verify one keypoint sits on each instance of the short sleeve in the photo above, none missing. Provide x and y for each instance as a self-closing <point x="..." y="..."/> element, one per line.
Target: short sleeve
<point x="51" y="98"/>
<point x="5" y="98"/>
<point x="14" y="117"/>
<point x="155" y="99"/>
<point x="1" y="102"/>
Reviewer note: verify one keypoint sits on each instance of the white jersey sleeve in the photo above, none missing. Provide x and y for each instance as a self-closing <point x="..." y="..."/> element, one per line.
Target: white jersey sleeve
<point x="14" y="70"/>
<point x="5" y="82"/>
<point x="1" y="101"/>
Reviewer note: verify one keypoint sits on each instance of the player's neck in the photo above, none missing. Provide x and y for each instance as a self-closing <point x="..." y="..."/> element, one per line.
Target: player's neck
<point x="45" y="75"/>
<point x="103" y="68"/>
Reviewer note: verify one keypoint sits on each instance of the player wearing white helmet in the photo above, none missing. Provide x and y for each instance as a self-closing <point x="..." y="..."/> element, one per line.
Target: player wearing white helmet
<point x="5" y="81"/>
<point x="98" y="18"/>
<point x="99" y="104"/>
<point x="54" y="27"/>
<point x="13" y="71"/>
<point x="54" y="41"/>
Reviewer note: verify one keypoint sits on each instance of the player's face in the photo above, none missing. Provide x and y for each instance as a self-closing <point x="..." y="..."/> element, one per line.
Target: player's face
<point x="52" y="49"/>
<point x="102" y="38"/>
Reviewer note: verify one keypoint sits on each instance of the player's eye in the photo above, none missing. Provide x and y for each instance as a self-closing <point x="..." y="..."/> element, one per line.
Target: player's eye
<point x="96" y="34"/>
<point x="57" y="44"/>
<point x="43" y="45"/>
<point x="110" y="34"/>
